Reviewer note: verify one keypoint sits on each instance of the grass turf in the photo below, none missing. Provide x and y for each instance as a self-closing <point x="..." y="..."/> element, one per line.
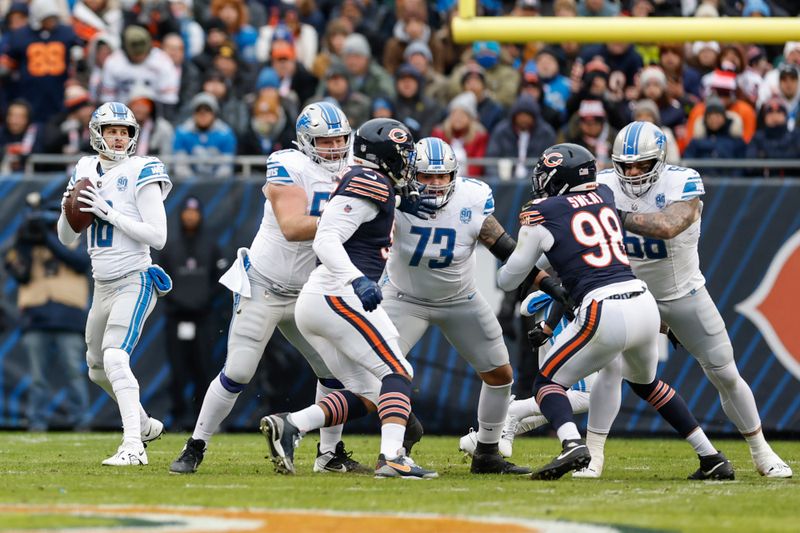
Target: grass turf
<point x="644" y="483"/>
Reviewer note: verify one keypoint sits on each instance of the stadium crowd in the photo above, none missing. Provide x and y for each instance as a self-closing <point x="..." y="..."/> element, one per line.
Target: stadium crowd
<point x="227" y="77"/>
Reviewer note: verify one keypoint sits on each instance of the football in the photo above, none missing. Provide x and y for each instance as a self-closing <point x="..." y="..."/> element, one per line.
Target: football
<point x="78" y="220"/>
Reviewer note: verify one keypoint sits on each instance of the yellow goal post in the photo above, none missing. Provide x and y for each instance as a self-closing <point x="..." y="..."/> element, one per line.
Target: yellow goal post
<point x="467" y="27"/>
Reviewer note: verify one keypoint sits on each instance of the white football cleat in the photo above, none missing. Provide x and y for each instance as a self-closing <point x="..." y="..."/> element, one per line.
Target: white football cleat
<point x="772" y="466"/>
<point x="506" y="444"/>
<point x="593" y="471"/>
<point x="152" y="430"/>
<point x="469" y="442"/>
<point x="127" y="455"/>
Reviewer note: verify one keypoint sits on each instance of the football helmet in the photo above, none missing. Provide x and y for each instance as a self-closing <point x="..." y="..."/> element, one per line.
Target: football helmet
<point x="323" y="119"/>
<point x="639" y="142"/>
<point x="564" y="168"/>
<point x="387" y="145"/>
<point x="113" y="114"/>
<point x="434" y="156"/>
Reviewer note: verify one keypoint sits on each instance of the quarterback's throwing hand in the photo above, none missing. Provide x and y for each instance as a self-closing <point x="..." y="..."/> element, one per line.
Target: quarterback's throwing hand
<point x="95" y="203"/>
<point x="368" y="292"/>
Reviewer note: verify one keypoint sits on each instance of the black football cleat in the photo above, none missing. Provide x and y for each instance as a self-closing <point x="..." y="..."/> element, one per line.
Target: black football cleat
<point x="715" y="467"/>
<point x="282" y="437"/>
<point x="493" y="463"/>
<point x="340" y="461"/>
<point x="190" y="458"/>
<point x="574" y="456"/>
<point x="414" y="432"/>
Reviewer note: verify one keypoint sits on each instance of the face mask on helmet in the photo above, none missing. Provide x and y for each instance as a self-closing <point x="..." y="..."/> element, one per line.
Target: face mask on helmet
<point x="639" y="155"/>
<point x="113" y="114"/>
<point x="387" y="145"/>
<point x="324" y="120"/>
<point x="435" y="157"/>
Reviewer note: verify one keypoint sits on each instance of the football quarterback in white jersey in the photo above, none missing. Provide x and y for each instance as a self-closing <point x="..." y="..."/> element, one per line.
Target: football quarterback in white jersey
<point x="660" y="208"/>
<point x="431" y="281"/>
<point x="267" y="278"/>
<point x="127" y="200"/>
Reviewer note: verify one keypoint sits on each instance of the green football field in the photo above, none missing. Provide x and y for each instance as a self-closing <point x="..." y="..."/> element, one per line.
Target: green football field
<point x="45" y="477"/>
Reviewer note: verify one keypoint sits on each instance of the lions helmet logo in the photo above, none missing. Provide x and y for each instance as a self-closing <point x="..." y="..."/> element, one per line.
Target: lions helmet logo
<point x="772" y="307"/>
<point x="398" y="135"/>
<point x="553" y="159"/>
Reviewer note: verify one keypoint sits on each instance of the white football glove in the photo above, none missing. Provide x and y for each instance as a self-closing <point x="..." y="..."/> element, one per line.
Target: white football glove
<point x="66" y="194"/>
<point x="96" y="204"/>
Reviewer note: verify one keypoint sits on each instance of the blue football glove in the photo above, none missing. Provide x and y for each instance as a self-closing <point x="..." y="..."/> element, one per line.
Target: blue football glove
<point x="414" y="203"/>
<point x="368" y="292"/>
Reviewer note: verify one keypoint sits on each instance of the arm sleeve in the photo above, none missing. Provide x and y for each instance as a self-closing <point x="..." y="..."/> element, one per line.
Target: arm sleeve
<point x="65" y="233"/>
<point x="532" y="242"/>
<point x="335" y="227"/>
<point x="153" y="229"/>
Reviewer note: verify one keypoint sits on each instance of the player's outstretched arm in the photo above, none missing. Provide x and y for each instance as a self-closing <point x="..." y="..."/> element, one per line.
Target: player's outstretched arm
<point x="533" y="241"/>
<point x="666" y="224"/>
<point x="289" y="203"/>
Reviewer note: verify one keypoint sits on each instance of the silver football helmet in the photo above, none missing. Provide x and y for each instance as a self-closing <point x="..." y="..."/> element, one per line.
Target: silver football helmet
<point x="113" y="114"/>
<point x="323" y="119"/>
<point x="639" y="142"/>
<point x="434" y="156"/>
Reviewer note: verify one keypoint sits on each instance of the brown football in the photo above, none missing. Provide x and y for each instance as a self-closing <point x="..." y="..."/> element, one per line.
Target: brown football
<point x="78" y="220"/>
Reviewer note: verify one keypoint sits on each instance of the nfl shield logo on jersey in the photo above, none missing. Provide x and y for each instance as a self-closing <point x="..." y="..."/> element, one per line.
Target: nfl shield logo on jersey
<point x="661" y="201"/>
<point x="122" y="183"/>
<point x="466" y="215"/>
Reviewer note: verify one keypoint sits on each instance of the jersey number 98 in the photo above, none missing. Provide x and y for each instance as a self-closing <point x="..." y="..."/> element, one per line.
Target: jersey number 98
<point x="601" y="231"/>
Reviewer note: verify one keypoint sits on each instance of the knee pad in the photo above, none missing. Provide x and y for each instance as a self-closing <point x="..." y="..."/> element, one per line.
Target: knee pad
<point x="98" y="375"/>
<point x="725" y="376"/>
<point x="118" y="369"/>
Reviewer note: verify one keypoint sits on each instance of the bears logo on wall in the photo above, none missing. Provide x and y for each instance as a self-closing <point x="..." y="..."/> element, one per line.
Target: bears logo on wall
<point x="773" y="305"/>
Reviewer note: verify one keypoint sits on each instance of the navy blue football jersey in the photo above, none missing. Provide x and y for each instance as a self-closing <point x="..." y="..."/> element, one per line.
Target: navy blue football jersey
<point x="589" y="250"/>
<point x="368" y="247"/>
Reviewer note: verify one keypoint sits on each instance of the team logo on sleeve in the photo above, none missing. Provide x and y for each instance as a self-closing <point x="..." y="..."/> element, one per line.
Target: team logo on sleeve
<point x="661" y="200"/>
<point x="466" y="215"/>
<point x="122" y="183"/>
<point x="553" y="159"/>
<point x="773" y="305"/>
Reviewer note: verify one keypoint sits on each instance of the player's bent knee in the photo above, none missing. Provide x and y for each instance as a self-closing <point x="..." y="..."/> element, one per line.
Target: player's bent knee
<point x="118" y="369"/>
<point x="719" y="356"/>
<point x="726" y="376"/>
<point x="502" y="375"/>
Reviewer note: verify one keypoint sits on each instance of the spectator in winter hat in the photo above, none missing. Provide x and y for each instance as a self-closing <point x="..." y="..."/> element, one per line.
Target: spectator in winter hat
<point x="774" y="139"/>
<point x="156" y="134"/>
<point x="490" y="112"/>
<point x="382" y="108"/>
<point x="717" y="136"/>
<point x="68" y="131"/>
<point x="464" y="132"/>
<point x="756" y="8"/>
<point x="206" y="136"/>
<point x="653" y="83"/>
<point x="414" y="109"/>
<point x="532" y="85"/>
<point x="705" y="55"/>
<point x="271" y="128"/>
<point x="336" y="87"/>
<point x="590" y="129"/>
<point x="523" y="135"/>
<point x="366" y="76"/>
<point x="502" y="80"/>
<point x="683" y="80"/>
<point x="411" y="26"/>
<point x="418" y="55"/>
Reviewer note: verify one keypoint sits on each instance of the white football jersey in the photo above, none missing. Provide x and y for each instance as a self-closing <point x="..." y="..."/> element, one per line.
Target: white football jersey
<point x="434" y="259"/>
<point x="671" y="268"/>
<point x="288" y="264"/>
<point x="114" y="253"/>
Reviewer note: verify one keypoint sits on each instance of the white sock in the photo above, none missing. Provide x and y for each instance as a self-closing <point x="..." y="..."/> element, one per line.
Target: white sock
<point x="328" y="437"/>
<point x="492" y="409"/>
<point x="308" y="419"/>
<point x="758" y="444"/>
<point x="568" y="431"/>
<point x="596" y="442"/>
<point x="392" y="436"/>
<point x="530" y="423"/>
<point x="217" y="405"/>
<point x="126" y="390"/>
<point x="700" y="443"/>
<point x="524" y="408"/>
